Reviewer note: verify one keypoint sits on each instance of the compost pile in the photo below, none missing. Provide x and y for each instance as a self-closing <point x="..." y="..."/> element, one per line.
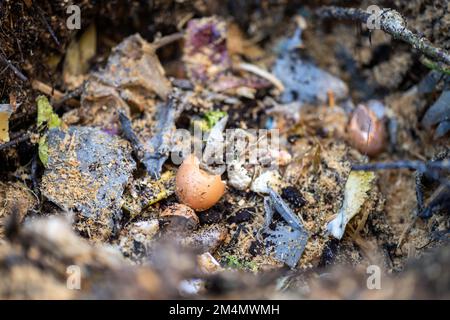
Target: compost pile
<point x="128" y="147"/>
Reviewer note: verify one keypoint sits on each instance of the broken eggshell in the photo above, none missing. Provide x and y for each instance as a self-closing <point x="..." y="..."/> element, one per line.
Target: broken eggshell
<point x="206" y="239"/>
<point x="208" y="264"/>
<point x="179" y="217"/>
<point x="197" y="188"/>
<point x="239" y="177"/>
<point x="265" y="181"/>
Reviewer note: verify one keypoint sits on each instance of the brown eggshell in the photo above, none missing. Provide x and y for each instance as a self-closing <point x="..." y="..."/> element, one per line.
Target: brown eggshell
<point x="366" y="132"/>
<point x="197" y="188"/>
<point x="179" y="217"/>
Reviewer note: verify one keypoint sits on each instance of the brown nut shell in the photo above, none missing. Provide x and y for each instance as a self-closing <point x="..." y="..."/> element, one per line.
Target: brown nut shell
<point x="197" y="188"/>
<point x="366" y="132"/>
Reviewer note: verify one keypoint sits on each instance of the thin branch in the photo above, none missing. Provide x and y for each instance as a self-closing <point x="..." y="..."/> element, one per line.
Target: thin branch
<point x="431" y="168"/>
<point x="435" y="65"/>
<point x="392" y="23"/>
<point x="58" y="98"/>
<point x="12" y="143"/>
<point x="404" y="164"/>
<point x="47" y="24"/>
<point x="139" y="150"/>
<point x="262" y="73"/>
<point x="69" y="97"/>
<point x="406" y="231"/>
<point x="164" y="41"/>
<point x="14" y="69"/>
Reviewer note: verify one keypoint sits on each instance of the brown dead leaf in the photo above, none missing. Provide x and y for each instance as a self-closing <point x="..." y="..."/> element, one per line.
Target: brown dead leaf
<point x="130" y="80"/>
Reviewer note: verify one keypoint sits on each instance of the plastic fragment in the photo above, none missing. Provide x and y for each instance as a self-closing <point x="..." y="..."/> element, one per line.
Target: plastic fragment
<point x="87" y="171"/>
<point x="303" y="80"/>
<point x="358" y="184"/>
<point x="287" y="240"/>
<point x="288" y="243"/>
<point x="439" y="113"/>
<point x="283" y="209"/>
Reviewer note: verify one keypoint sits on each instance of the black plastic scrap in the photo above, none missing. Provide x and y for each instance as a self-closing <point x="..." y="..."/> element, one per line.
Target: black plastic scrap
<point x="302" y="79"/>
<point x="159" y="144"/>
<point x="439" y="114"/>
<point x="102" y="164"/>
<point x="284" y="210"/>
<point x="286" y="240"/>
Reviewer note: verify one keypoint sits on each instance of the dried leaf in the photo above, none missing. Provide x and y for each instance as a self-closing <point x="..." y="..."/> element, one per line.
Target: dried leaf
<point x="78" y="56"/>
<point x="356" y="191"/>
<point x="129" y="81"/>
<point x="208" y="62"/>
<point x="5" y="113"/>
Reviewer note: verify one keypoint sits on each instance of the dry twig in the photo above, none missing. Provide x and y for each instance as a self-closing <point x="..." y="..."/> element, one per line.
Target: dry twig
<point x="14" y="69"/>
<point x="392" y="23"/>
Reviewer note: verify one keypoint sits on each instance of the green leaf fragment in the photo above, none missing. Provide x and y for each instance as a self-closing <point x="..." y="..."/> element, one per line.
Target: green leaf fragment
<point x="241" y="264"/>
<point x="43" y="150"/>
<point x="46" y="114"/>
<point x="212" y="117"/>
